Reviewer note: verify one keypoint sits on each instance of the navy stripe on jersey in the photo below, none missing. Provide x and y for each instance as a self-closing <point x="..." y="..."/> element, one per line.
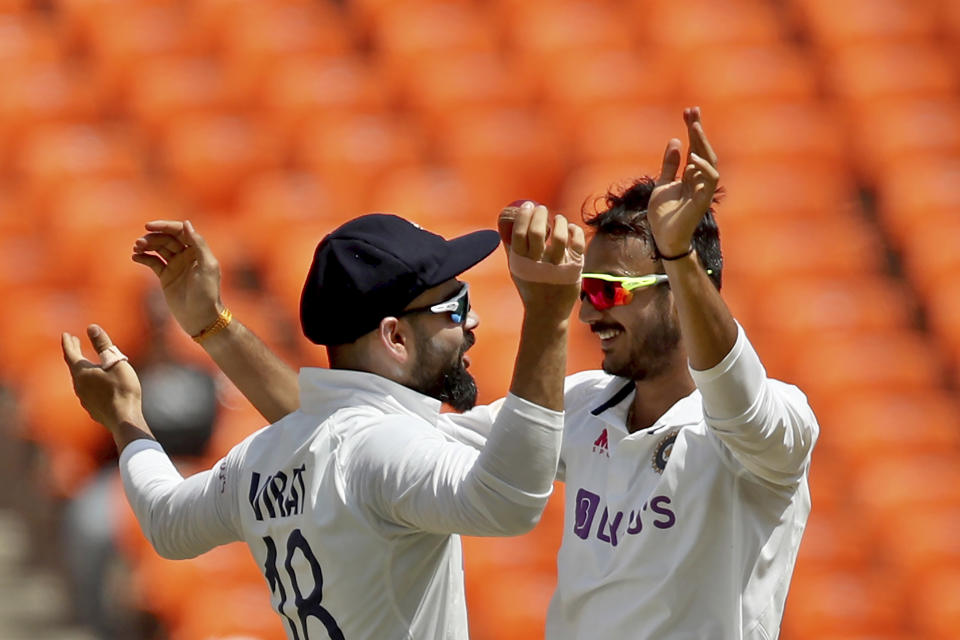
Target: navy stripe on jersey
<point x="615" y="400"/>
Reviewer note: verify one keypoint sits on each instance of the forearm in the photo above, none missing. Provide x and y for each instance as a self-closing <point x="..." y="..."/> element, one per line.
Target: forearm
<point x="538" y="375"/>
<point x="708" y="328"/>
<point x="180" y="518"/>
<point x="262" y="377"/>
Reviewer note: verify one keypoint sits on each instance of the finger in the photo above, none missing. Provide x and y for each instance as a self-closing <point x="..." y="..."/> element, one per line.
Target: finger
<point x="98" y="338"/>
<point x="170" y="227"/>
<point x="557" y="249"/>
<point x="156" y="241"/>
<point x="71" y="349"/>
<point x="671" y="162"/>
<point x="577" y="241"/>
<point x="521" y="225"/>
<point x="705" y="166"/>
<point x="155" y="263"/>
<point x="537" y="233"/>
<point x="697" y="136"/>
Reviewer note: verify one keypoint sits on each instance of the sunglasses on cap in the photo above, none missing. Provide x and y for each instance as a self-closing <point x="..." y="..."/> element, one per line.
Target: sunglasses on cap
<point x="605" y="291"/>
<point x="458" y="306"/>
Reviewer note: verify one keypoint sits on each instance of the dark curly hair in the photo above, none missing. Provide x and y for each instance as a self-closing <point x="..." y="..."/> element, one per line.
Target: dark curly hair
<point x="624" y="213"/>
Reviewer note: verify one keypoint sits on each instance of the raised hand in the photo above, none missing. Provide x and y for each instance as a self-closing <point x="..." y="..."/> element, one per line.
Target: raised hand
<point x="188" y="272"/>
<point x="545" y="258"/>
<point x="677" y="206"/>
<point x="110" y="391"/>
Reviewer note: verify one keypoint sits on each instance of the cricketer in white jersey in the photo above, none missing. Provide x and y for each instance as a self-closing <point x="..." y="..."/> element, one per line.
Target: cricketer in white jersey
<point x="351" y="505"/>
<point x="688" y="528"/>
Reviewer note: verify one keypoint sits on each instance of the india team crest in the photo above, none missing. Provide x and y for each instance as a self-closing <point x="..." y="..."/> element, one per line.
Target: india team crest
<point x="661" y="453"/>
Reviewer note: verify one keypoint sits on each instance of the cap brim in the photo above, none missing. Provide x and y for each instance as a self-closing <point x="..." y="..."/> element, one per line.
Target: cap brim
<point x="467" y="251"/>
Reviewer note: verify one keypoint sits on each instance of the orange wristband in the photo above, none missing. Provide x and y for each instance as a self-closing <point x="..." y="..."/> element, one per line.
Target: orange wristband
<point x="221" y="323"/>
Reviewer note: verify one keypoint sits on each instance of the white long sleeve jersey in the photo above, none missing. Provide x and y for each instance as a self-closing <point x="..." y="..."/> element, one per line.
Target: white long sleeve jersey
<point x="350" y="505"/>
<point x="689" y="528"/>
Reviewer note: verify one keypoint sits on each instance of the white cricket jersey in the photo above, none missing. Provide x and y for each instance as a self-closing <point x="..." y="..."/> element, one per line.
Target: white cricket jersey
<point x="348" y="505"/>
<point x="689" y="528"/>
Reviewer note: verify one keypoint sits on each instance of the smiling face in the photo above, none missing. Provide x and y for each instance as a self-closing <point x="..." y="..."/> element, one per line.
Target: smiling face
<point x="639" y="340"/>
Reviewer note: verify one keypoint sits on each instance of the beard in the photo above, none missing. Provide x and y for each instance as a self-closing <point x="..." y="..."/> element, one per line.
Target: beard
<point x="439" y="377"/>
<point x="653" y="355"/>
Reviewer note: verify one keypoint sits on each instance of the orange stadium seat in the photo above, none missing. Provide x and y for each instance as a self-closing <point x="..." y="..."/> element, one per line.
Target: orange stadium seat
<point x="26" y="38"/>
<point x="805" y="308"/>
<point x="576" y="84"/>
<point x="208" y="158"/>
<point x="902" y="484"/>
<point x="160" y="584"/>
<point x="891" y="133"/>
<point x="943" y="314"/>
<point x="686" y="29"/>
<point x="436" y="197"/>
<point x="626" y="136"/>
<point x="54" y="156"/>
<point x="441" y="89"/>
<point x="891" y="361"/>
<point x="918" y="197"/>
<point x="354" y="153"/>
<point x="752" y="75"/>
<point x="272" y="204"/>
<point x="503" y="155"/>
<point x="832" y="23"/>
<point x="238" y="612"/>
<point x="935" y="604"/>
<point x="931" y="248"/>
<point x="40" y="93"/>
<point x="766" y="250"/>
<point x="833" y="542"/>
<point x="166" y="90"/>
<point x="92" y="226"/>
<point x="254" y="37"/>
<point x="861" y="604"/>
<point x="121" y="36"/>
<point x="923" y="542"/>
<point x="570" y="27"/>
<point x="863" y="73"/>
<point x="867" y="424"/>
<point x="515" y="613"/>
<point x="758" y="190"/>
<point x="406" y="33"/>
<point x="303" y="87"/>
<point x="796" y="132"/>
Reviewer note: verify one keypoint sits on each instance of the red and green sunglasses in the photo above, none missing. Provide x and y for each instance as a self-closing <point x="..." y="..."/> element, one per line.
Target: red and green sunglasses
<point x="605" y="291"/>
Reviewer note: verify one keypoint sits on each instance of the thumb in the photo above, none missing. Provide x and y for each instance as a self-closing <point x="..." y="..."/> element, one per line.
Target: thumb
<point x="671" y="162"/>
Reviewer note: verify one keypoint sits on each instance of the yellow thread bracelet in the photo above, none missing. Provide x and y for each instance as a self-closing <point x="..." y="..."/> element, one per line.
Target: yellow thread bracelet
<point x="221" y="323"/>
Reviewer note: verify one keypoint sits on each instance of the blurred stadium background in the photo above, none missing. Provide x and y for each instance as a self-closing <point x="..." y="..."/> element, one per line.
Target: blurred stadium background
<point x="268" y="122"/>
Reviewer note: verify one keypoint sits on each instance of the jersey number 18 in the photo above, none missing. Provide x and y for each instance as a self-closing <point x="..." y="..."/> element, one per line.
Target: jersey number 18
<point x="307" y="606"/>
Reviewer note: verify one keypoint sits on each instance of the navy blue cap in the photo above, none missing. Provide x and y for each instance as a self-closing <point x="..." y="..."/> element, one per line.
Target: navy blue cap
<point x="373" y="267"/>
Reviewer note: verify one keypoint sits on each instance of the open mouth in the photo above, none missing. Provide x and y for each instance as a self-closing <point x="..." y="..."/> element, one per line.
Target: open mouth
<point x="606" y="334"/>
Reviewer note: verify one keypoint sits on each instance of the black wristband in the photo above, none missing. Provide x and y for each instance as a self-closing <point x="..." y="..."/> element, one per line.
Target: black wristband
<point x="682" y="255"/>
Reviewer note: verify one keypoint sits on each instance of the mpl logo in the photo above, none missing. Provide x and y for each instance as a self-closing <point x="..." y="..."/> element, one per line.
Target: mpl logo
<point x="602" y="444"/>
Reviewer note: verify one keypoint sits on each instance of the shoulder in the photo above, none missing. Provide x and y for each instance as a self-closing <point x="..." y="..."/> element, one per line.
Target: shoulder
<point x="586" y="390"/>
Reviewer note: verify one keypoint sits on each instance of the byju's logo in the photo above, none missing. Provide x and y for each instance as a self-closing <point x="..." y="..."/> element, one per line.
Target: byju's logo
<point x="602" y="444"/>
<point x="657" y="511"/>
